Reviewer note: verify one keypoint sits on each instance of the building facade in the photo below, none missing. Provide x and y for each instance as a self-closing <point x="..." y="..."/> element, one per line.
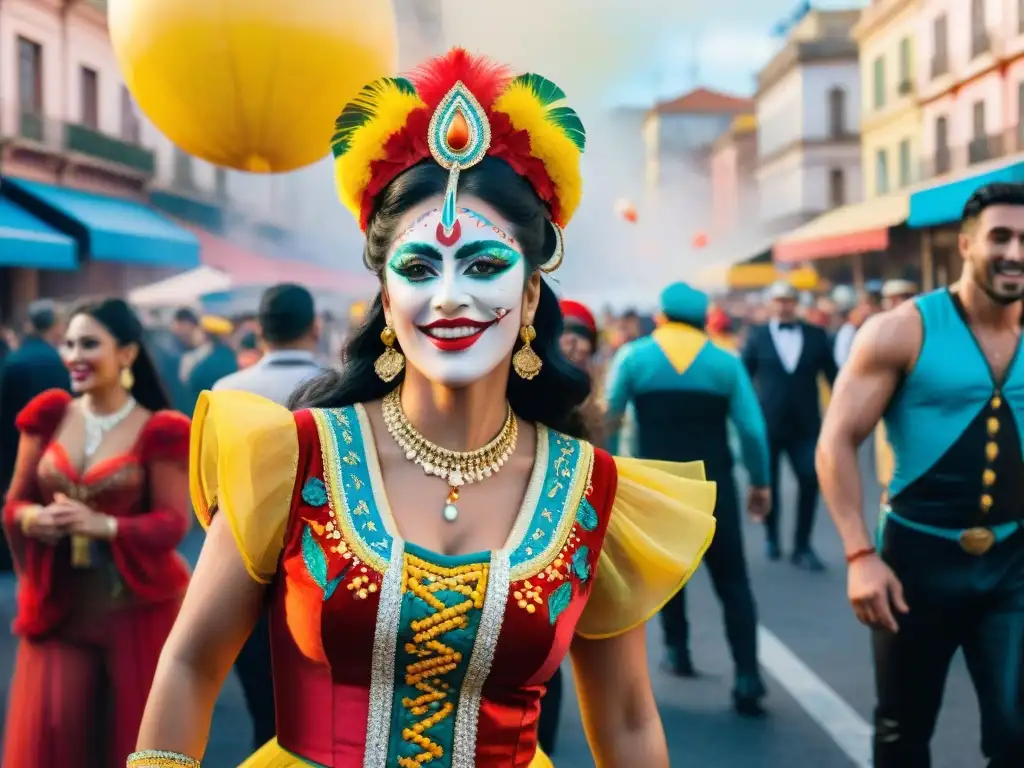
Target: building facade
<point x="890" y="124"/>
<point x="734" y="199"/>
<point x="678" y="134"/>
<point x="970" y="78"/>
<point x="808" y="111"/>
<point x="66" y="119"/>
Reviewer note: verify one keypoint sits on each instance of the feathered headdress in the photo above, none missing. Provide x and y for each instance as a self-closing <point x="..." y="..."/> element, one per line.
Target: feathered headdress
<point x="458" y="109"/>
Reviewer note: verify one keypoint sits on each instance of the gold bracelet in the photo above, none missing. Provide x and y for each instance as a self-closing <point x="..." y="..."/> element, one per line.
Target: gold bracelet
<point x="27" y="515"/>
<point x="159" y="758"/>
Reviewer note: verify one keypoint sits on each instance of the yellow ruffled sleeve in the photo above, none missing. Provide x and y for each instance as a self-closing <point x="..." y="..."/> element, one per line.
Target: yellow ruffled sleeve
<point x="243" y="462"/>
<point x="662" y="521"/>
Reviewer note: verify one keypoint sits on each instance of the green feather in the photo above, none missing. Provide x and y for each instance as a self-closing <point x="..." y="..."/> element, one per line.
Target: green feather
<point x="362" y="109"/>
<point x="570" y="123"/>
<point x="545" y="91"/>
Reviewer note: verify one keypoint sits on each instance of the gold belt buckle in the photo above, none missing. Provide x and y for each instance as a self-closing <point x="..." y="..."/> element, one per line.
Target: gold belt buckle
<point x="977" y="541"/>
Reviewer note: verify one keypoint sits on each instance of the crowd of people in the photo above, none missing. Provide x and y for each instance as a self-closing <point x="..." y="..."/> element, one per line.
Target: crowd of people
<point x="404" y="541"/>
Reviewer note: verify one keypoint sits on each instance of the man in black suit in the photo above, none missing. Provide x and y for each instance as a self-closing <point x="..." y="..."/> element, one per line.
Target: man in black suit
<point x="32" y="368"/>
<point x="785" y="358"/>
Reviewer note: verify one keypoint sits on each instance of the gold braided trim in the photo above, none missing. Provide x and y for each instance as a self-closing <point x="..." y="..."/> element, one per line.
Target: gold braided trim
<point x="158" y="758"/>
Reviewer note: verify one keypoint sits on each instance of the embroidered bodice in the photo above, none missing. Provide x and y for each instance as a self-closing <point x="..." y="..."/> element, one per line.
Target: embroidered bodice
<point x="141" y="562"/>
<point x="388" y="654"/>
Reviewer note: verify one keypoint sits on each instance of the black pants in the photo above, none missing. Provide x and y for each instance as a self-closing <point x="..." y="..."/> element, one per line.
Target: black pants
<point x="550" y="710"/>
<point x="253" y="667"/>
<point x="800" y="450"/>
<point x="728" y="569"/>
<point x="957" y="601"/>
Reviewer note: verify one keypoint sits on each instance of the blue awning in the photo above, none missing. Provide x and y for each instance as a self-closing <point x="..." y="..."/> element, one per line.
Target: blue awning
<point x="26" y="241"/>
<point x="109" y="228"/>
<point x="944" y="204"/>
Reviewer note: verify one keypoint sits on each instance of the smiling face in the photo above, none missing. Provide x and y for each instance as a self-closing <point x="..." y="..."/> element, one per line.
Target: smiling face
<point x="456" y="302"/>
<point x="93" y="356"/>
<point x="993" y="246"/>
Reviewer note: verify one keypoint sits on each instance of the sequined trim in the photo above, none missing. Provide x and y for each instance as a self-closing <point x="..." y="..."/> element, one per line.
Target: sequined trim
<point x="468" y="715"/>
<point x="382" y="675"/>
<point x="347" y="478"/>
<point x="570" y="465"/>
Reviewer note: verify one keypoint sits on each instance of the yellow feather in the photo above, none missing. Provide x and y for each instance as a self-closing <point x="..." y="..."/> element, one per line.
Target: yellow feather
<point x="548" y="143"/>
<point x="352" y="169"/>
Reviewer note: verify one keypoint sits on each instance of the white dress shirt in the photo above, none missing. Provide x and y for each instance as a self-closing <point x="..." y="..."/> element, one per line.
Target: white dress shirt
<point x="844" y="343"/>
<point x="275" y="376"/>
<point x="789" y="343"/>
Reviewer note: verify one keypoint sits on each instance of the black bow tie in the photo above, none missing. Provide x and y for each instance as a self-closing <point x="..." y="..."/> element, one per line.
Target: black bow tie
<point x="787" y="326"/>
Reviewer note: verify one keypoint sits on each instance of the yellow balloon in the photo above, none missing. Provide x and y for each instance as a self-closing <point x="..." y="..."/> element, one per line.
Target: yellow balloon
<point x="253" y="85"/>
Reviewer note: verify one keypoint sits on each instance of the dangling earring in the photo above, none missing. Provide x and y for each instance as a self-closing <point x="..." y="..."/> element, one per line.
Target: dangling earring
<point x="391" y="362"/>
<point x="127" y="379"/>
<point x="526" y="362"/>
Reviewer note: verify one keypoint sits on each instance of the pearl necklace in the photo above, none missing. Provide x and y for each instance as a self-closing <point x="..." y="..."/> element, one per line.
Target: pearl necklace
<point x="456" y="468"/>
<point x="96" y="427"/>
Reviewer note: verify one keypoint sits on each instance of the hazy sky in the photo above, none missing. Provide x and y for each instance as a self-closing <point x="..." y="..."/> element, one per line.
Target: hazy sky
<point x="632" y="51"/>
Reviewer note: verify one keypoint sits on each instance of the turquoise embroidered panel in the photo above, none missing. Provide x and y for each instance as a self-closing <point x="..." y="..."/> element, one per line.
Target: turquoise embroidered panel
<point x="437" y="631"/>
<point x="564" y="462"/>
<point x="349" y="461"/>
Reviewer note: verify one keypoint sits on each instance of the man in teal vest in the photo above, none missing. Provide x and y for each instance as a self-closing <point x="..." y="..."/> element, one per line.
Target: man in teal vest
<point x="946" y="571"/>
<point x="684" y="391"/>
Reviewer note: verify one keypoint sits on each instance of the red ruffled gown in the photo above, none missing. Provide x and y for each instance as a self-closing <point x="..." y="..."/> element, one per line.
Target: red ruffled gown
<point x="90" y="638"/>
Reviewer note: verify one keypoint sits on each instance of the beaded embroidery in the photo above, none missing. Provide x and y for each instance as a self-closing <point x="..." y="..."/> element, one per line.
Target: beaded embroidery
<point x="440" y="617"/>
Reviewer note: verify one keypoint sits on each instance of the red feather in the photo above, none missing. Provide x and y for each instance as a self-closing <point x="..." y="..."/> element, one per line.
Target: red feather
<point x="484" y="78"/>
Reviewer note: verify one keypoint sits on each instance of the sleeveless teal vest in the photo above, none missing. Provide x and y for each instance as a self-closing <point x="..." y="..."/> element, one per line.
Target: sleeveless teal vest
<point x="945" y="391"/>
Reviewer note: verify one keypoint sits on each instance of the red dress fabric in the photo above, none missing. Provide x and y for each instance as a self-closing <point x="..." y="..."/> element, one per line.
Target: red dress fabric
<point x="91" y="638"/>
<point x="327" y="606"/>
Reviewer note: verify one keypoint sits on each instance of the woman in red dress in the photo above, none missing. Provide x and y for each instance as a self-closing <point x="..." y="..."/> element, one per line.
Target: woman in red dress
<point x="94" y="513"/>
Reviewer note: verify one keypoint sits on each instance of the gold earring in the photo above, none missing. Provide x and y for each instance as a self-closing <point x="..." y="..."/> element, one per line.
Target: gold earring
<point x="391" y="362"/>
<point x="527" y="363"/>
<point x="127" y="379"/>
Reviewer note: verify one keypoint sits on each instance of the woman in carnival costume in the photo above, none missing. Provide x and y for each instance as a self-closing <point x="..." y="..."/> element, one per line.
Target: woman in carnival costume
<point x="432" y="534"/>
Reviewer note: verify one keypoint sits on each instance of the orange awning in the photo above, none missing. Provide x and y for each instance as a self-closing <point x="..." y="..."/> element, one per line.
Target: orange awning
<point x="859" y="228"/>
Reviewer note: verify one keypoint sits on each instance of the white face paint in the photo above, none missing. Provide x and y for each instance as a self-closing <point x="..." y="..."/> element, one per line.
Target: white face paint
<point x="455" y="302"/>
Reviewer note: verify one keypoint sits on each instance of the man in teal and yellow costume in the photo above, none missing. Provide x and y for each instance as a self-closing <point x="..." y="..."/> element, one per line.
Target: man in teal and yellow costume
<point x="685" y="390"/>
<point x="432" y="533"/>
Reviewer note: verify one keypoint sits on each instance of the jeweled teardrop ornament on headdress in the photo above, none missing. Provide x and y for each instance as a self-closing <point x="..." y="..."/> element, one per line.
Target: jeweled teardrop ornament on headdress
<point x="459" y="137"/>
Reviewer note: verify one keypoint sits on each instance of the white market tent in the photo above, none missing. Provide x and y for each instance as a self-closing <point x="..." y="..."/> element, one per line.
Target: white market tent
<point x="180" y="290"/>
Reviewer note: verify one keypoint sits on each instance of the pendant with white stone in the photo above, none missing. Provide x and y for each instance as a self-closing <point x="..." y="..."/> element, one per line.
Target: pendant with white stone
<point x="451" y="512"/>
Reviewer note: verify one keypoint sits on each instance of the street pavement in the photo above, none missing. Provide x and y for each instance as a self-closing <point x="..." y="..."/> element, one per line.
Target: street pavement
<point x="807" y="613"/>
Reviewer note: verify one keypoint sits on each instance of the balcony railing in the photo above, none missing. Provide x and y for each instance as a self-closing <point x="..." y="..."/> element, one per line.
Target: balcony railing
<point x="983" y="148"/>
<point x="86" y="141"/>
<point x="940" y="65"/>
<point x="981" y="43"/>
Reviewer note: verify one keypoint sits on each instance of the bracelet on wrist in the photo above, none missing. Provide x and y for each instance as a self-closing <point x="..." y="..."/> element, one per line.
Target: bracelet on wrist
<point x="860" y="554"/>
<point x="111" y="527"/>
<point x="159" y="758"/>
<point x="27" y="515"/>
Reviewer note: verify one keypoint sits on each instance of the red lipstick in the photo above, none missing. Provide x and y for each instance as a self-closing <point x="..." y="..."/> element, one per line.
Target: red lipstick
<point x="454" y="334"/>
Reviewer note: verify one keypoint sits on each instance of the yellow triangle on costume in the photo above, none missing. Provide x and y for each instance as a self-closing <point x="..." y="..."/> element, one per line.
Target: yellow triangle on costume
<point x="680" y="343"/>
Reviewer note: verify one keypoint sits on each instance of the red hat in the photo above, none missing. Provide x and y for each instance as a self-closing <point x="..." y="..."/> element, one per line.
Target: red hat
<point x="577" y="317"/>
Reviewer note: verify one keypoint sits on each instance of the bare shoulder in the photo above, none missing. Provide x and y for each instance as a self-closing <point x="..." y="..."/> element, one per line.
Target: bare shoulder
<point x="889" y="340"/>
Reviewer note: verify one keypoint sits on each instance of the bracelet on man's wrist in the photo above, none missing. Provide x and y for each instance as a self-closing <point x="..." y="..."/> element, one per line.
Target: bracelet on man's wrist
<point x="860" y="554"/>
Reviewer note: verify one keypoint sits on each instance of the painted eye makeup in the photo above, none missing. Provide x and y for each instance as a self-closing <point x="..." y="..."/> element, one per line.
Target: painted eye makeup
<point x="415" y="262"/>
